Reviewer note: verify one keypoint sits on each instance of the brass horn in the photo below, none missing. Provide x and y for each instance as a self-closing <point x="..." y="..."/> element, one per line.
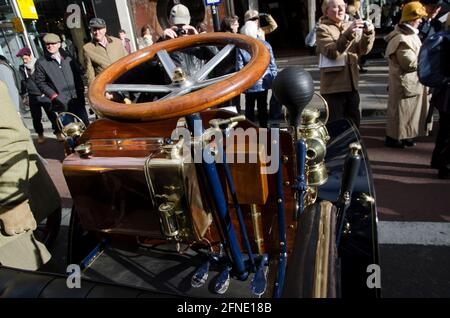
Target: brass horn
<point x="72" y="129"/>
<point x="316" y="136"/>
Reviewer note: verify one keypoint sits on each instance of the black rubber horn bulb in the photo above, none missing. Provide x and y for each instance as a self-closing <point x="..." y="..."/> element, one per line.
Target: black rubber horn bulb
<point x="294" y="88"/>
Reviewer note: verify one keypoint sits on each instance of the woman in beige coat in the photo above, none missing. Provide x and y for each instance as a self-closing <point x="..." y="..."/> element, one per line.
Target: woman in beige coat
<point x="340" y="45"/>
<point x="407" y="101"/>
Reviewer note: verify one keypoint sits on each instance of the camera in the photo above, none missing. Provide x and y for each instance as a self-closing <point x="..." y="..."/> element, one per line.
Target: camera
<point x="181" y="32"/>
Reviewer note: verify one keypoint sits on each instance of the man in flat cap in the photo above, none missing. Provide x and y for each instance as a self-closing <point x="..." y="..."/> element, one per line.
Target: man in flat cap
<point x="59" y="77"/>
<point x="36" y="99"/>
<point x="102" y="51"/>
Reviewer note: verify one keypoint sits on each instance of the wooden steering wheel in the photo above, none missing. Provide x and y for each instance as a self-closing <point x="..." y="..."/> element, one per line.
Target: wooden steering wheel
<point x="186" y="95"/>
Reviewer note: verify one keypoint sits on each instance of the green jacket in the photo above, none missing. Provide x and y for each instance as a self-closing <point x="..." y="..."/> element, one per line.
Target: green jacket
<point x="97" y="58"/>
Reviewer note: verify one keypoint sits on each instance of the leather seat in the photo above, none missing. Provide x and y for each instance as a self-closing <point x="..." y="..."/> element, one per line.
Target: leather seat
<point x="16" y="283"/>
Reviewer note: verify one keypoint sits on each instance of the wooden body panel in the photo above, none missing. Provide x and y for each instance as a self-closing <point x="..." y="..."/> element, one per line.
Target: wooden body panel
<point x="110" y="191"/>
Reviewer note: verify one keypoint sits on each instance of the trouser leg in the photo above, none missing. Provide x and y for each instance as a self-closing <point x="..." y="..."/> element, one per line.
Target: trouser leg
<point x="77" y="107"/>
<point x="261" y="98"/>
<point x="51" y="115"/>
<point x="36" y="115"/>
<point x="250" y="99"/>
<point x="352" y="111"/>
<point x="441" y="152"/>
<point x="335" y="103"/>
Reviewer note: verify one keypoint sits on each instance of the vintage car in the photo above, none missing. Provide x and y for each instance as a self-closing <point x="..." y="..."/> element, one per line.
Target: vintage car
<point x="175" y="196"/>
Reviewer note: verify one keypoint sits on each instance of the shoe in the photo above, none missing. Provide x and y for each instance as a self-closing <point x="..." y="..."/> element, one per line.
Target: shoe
<point x="444" y="173"/>
<point x="393" y="143"/>
<point x="408" y="142"/>
<point x="41" y="139"/>
<point x="362" y="70"/>
<point x="59" y="137"/>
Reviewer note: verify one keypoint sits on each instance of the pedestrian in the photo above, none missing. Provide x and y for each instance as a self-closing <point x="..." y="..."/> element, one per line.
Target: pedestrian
<point x="340" y="45"/>
<point x="36" y="99"/>
<point x="102" y="51"/>
<point x="254" y="15"/>
<point x="27" y="194"/>
<point x="59" y="77"/>
<point x="125" y="41"/>
<point x="258" y="92"/>
<point x="146" y="38"/>
<point x="440" y="99"/>
<point x="201" y="27"/>
<point x="430" y="24"/>
<point x="9" y="75"/>
<point x="230" y="24"/>
<point x="407" y="99"/>
<point x="191" y="59"/>
<point x="353" y="11"/>
<point x="68" y="46"/>
<point x="179" y="19"/>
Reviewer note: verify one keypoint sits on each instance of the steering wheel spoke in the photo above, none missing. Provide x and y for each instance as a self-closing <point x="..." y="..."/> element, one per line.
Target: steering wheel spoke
<point x="167" y="62"/>
<point x="177" y="92"/>
<point x="139" y="88"/>
<point x="212" y="63"/>
<point x="211" y="81"/>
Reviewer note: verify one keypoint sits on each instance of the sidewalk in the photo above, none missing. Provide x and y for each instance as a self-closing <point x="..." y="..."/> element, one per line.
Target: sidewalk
<point x="372" y="85"/>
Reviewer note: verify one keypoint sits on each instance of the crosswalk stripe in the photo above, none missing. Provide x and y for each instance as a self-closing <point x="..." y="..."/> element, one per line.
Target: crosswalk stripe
<point x="415" y="233"/>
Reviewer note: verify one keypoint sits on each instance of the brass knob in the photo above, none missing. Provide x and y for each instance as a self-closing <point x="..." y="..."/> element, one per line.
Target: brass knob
<point x="84" y="150"/>
<point x="355" y="148"/>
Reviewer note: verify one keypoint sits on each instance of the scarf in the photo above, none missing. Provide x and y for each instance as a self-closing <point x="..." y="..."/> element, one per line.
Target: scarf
<point x="30" y="67"/>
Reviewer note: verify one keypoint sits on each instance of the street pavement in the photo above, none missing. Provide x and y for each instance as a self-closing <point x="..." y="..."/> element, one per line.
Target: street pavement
<point x="413" y="205"/>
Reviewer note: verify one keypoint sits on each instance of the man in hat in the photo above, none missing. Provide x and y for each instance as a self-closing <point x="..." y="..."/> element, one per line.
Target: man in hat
<point x="59" y="77"/>
<point x="180" y="20"/>
<point x="407" y="98"/>
<point x="102" y="51"/>
<point x="254" y="15"/>
<point x="36" y="100"/>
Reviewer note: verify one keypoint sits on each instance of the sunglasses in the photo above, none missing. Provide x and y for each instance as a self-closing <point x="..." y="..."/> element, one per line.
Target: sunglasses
<point x="51" y="43"/>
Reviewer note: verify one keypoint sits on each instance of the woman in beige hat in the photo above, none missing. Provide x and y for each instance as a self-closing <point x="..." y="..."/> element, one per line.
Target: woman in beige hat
<point x="407" y="101"/>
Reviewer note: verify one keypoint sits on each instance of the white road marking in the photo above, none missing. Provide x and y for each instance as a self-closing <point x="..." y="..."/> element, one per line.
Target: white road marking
<point x="414" y="233"/>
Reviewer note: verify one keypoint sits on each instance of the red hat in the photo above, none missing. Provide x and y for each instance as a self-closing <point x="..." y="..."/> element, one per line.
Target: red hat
<point x="24" y="51"/>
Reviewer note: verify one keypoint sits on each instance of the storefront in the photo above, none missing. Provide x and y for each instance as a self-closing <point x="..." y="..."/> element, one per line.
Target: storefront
<point x="156" y="12"/>
<point x="24" y="22"/>
<point x="13" y="35"/>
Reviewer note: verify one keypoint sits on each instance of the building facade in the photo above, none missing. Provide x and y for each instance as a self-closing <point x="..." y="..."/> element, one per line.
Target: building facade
<point x="23" y="22"/>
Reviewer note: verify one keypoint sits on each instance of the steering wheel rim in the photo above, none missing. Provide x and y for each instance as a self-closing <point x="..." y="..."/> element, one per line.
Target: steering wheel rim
<point x="190" y="103"/>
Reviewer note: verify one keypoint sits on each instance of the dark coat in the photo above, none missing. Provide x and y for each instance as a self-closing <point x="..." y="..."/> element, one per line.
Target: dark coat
<point x="441" y="98"/>
<point x="27" y="82"/>
<point x="63" y="79"/>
